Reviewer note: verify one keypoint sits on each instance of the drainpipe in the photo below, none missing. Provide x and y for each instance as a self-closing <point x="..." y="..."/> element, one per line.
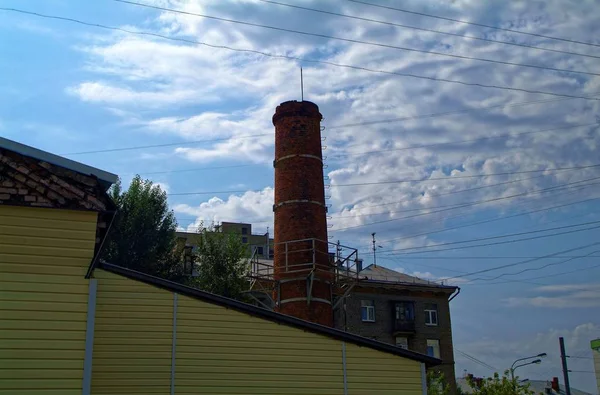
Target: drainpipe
<point x="455" y="295"/>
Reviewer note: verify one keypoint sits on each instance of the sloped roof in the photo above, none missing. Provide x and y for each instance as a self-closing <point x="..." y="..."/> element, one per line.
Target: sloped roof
<point x="268" y="314"/>
<point x="384" y="275"/>
<point x="106" y="178"/>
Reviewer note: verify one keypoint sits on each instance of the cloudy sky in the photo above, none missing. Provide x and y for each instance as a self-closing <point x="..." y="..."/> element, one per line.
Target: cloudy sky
<point x="412" y="133"/>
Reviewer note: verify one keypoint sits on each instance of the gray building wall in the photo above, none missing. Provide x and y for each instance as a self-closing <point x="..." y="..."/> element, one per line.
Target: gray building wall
<point x="383" y="327"/>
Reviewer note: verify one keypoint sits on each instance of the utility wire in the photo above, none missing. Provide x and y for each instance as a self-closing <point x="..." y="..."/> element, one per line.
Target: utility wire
<point x="462" y="141"/>
<point x="296" y="58"/>
<point x="474" y="23"/>
<point x="425" y="30"/>
<point x="144" y="173"/>
<point x="164" y="145"/>
<point x="353" y="41"/>
<point x="521" y="262"/>
<point x="458" y="177"/>
<point x="492" y="238"/>
<point x="464" y="354"/>
<point x="457" y="205"/>
<point x="470" y="204"/>
<point x="539" y="268"/>
<point x="540" y="277"/>
<point x="442" y="114"/>
<point x="486" y="257"/>
<point x="502" y="242"/>
<point x="492" y="220"/>
<point x="410" y="180"/>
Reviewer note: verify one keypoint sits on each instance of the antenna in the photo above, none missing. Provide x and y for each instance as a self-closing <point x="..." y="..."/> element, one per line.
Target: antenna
<point x="374" y="251"/>
<point x="301" y="84"/>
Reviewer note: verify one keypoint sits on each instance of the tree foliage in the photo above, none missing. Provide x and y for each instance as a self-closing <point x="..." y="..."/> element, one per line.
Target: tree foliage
<point x="436" y="384"/>
<point x="142" y="236"/>
<point x="222" y="263"/>
<point x="499" y="385"/>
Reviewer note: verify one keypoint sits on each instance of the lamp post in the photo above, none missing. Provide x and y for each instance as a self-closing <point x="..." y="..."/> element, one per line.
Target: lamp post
<point x="514" y="365"/>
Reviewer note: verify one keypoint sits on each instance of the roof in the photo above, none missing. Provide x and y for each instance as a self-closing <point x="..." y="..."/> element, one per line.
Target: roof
<point x="538" y="386"/>
<point x="380" y="274"/>
<point x="267" y="314"/>
<point x="106" y="178"/>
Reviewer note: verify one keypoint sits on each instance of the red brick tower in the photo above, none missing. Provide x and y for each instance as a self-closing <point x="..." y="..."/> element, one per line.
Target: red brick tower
<point x="301" y="267"/>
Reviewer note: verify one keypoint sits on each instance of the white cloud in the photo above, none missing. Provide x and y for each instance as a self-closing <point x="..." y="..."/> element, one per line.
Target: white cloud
<point x="104" y="93"/>
<point x="561" y="296"/>
<point x="253" y="207"/>
<point x="244" y="89"/>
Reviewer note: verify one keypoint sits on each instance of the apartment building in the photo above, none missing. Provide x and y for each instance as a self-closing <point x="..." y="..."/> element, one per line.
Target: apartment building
<point x="403" y="310"/>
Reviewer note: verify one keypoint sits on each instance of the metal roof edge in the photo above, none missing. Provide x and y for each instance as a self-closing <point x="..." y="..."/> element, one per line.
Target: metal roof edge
<point x="267" y="314"/>
<point x="57" y="160"/>
<point x="407" y="284"/>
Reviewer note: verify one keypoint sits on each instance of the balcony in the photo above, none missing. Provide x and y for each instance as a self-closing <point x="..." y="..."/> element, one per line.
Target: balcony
<point x="404" y="326"/>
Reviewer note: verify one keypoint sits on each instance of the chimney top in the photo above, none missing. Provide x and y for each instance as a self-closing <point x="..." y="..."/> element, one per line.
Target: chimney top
<point x="555" y="385"/>
<point x="296" y="108"/>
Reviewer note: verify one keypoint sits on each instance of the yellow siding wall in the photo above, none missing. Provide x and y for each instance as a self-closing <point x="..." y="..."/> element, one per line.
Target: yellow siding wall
<point x="220" y="351"/>
<point x="44" y="254"/>
<point x="132" y="337"/>
<point x="373" y="372"/>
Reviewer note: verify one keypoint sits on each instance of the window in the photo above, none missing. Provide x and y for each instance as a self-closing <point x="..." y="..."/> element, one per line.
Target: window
<point x="433" y="348"/>
<point x="259" y="250"/>
<point x="405" y="311"/>
<point x="244" y="231"/>
<point x="431" y="314"/>
<point x="244" y="240"/>
<point x="402" y="342"/>
<point x="367" y="310"/>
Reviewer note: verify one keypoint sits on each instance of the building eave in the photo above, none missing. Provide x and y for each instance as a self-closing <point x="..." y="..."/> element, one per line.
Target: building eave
<point x="267" y="314"/>
<point x="106" y="178"/>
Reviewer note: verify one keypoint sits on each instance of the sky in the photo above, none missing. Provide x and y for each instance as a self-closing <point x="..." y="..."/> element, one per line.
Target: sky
<point x="412" y="147"/>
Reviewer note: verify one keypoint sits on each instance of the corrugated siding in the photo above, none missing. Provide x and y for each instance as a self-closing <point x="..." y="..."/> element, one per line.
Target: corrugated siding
<point x="373" y="372"/>
<point x="44" y="254"/>
<point x="132" y="337"/>
<point x="221" y="351"/>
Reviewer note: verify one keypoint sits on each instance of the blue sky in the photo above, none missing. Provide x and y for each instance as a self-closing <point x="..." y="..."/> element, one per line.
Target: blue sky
<point x="69" y="88"/>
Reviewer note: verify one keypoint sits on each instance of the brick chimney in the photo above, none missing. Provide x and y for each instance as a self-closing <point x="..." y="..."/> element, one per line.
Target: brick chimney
<point x="301" y="262"/>
<point x="555" y="385"/>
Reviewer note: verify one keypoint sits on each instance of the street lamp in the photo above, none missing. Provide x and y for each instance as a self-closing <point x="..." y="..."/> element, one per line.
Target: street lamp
<point x="537" y="361"/>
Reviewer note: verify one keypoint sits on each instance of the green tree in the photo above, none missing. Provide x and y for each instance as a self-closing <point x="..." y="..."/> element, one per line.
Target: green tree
<point x="436" y="384"/>
<point x="142" y="237"/>
<point x="222" y="262"/>
<point x="499" y="385"/>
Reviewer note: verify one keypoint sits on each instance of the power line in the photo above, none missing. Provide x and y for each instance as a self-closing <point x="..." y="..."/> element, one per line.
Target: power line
<point x="491" y="238"/>
<point x="354" y="41"/>
<point x="473" y="359"/>
<point x="581" y="371"/>
<point x="296" y="58"/>
<point x="426" y="30"/>
<point x="539" y="268"/>
<point x="459" y="177"/>
<point x="462" y="141"/>
<point x="492" y="220"/>
<point x="470" y="204"/>
<point x="371" y="43"/>
<point x="539" y="277"/>
<point x="457" y="205"/>
<point x="500" y="242"/>
<point x="520" y="262"/>
<point x="188" y="170"/>
<point x="164" y="145"/>
<point x="407" y="180"/>
<point x="475" y="23"/>
<point x="441" y="114"/>
<point x="488" y="257"/>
